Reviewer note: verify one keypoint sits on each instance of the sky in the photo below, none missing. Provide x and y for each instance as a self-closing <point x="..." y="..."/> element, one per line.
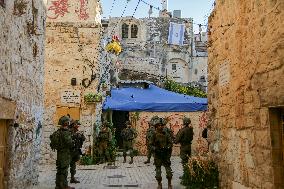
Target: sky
<point x="199" y="10"/>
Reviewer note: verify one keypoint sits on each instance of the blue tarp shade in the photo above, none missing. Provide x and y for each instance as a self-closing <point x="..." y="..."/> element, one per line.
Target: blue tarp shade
<point x="152" y="99"/>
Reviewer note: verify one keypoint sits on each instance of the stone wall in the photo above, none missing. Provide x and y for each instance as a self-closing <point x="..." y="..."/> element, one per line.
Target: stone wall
<point x="198" y="120"/>
<point x="150" y="52"/>
<point x="72" y="53"/>
<point x="245" y="80"/>
<point x="21" y="92"/>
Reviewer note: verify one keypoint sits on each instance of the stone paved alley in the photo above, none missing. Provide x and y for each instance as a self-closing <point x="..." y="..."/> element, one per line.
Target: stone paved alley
<point x="138" y="175"/>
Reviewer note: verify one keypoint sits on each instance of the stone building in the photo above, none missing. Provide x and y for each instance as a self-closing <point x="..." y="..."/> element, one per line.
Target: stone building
<point x="22" y="32"/>
<point x="71" y="70"/>
<point x="199" y="61"/>
<point x="146" y="53"/>
<point x="246" y="92"/>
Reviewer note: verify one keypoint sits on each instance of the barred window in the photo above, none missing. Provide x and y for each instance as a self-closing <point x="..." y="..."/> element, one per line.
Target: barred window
<point x="134" y="31"/>
<point x="174" y="67"/>
<point x="124" y="31"/>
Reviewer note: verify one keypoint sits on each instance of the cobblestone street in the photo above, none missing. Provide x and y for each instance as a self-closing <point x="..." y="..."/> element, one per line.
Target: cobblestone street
<point x="124" y="175"/>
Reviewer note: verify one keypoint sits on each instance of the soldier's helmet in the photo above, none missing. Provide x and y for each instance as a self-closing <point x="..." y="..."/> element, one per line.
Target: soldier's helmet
<point x="74" y="122"/>
<point x="105" y="124"/>
<point x="154" y="120"/>
<point x="160" y="121"/>
<point x="127" y="123"/>
<point x="186" y="121"/>
<point x="63" y="120"/>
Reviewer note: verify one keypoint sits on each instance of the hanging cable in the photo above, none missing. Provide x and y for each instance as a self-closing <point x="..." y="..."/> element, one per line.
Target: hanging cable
<point x="111" y="7"/>
<point x="136" y="8"/>
<point x="150" y="5"/>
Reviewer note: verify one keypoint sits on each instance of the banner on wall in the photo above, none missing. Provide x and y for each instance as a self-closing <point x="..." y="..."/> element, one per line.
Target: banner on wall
<point x="176" y="34"/>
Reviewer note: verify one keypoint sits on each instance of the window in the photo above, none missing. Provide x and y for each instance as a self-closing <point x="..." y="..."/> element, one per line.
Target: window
<point x="202" y="78"/>
<point x="174" y="67"/>
<point x="195" y="71"/>
<point x="124" y="31"/>
<point x="134" y="31"/>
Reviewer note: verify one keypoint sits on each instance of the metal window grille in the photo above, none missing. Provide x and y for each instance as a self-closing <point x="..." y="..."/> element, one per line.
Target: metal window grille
<point x="124" y="31"/>
<point x="134" y="31"/>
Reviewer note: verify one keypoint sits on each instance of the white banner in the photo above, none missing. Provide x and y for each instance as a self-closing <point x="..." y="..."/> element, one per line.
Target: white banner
<point x="176" y="34"/>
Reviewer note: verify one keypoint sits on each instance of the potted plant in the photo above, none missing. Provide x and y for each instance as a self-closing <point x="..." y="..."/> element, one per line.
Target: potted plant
<point x="93" y="97"/>
<point x="98" y="97"/>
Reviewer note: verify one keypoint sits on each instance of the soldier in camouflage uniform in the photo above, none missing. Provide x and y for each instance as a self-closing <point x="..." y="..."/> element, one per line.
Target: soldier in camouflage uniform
<point x="128" y="135"/>
<point x="78" y="140"/>
<point x="185" y="137"/>
<point x="64" y="146"/>
<point x="104" y="137"/>
<point x="162" y="144"/>
<point x="149" y="135"/>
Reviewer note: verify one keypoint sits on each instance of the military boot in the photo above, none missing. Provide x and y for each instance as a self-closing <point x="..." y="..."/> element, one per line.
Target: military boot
<point x="159" y="184"/>
<point x="131" y="161"/>
<point x="124" y="159"/>
<point x="74" y="180"/>
<point x="70" y="187"/>
<point x="170" y="183"/>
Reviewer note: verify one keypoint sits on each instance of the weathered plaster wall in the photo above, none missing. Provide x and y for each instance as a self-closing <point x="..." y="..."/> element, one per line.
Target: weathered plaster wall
<point x="72" y="51"/>
<point x="245" y="79"/>
<point x="150" y="52"/>
<point x="74" y="11"/>
<point x="198" y="120"/>
<point x="22" y="32"/>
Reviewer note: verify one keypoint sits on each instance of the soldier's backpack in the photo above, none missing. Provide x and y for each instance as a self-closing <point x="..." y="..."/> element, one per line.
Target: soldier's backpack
<point x="55" y="140"/>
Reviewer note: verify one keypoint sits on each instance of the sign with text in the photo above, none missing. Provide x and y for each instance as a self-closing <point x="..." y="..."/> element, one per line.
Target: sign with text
<point x="70" y="96"/>
<point x="224" y="73"/>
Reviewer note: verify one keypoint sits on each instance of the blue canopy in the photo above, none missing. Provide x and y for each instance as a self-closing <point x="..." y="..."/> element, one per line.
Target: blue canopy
<point x="152" y="99"/>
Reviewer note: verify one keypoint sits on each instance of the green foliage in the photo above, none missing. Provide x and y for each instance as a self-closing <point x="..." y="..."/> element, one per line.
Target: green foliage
<point x="86" y="160"/>
<point x="112" y="148"/>
<point x="187" y="90"/>
<point x="201" y="173"/>
<point x="93" y="97"/>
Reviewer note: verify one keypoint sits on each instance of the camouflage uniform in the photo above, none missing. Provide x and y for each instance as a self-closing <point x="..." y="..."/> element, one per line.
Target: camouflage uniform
<point x="162" y="144"/>
<point x="78" y="140"/>
<point x="184" y="137"/>
<point x="63" y="154"/>
<point x="128" y="135"/>
<point x="104" y="138"/>
<point x="149" y="135"/>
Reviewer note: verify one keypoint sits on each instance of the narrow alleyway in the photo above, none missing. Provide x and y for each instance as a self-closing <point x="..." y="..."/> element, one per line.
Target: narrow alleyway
<point x="138" y="175"/>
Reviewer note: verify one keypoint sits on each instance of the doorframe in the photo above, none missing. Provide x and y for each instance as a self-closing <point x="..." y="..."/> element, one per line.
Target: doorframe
<point x="276" y="127"/>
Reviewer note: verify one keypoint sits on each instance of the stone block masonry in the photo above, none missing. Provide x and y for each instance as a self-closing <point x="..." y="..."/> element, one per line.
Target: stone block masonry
<point x="245" y="74"/>
<point x="21" y="93"/>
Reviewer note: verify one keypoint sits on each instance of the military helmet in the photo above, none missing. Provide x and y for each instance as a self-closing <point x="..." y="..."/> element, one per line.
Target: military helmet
<point x="154" y="120"/>
<point x="160" y="121"/>
<point x="105" y="124"/>
<point x="186" y="121"/>
<point x="74" y="122"/>
<point x="63" y="120"/>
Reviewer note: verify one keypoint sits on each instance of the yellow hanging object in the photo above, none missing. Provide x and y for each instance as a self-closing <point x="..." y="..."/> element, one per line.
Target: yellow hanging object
<point x="114" y="47"/>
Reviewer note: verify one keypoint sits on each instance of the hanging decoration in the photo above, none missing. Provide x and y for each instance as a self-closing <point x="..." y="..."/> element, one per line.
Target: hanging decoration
<point x="114" y="46"/>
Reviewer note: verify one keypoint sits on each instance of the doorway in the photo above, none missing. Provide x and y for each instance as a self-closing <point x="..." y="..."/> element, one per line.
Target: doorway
<point x="276" y="119"/>
<point x="119" y="118"/>
<point x="3" y="150"/>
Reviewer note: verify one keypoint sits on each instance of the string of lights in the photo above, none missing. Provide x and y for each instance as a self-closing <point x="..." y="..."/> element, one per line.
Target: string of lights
<point x="111" y="7"/>
<point x="150" y="5"/>
<point x="125" y="7"/>
<point x="136" y="8"/>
